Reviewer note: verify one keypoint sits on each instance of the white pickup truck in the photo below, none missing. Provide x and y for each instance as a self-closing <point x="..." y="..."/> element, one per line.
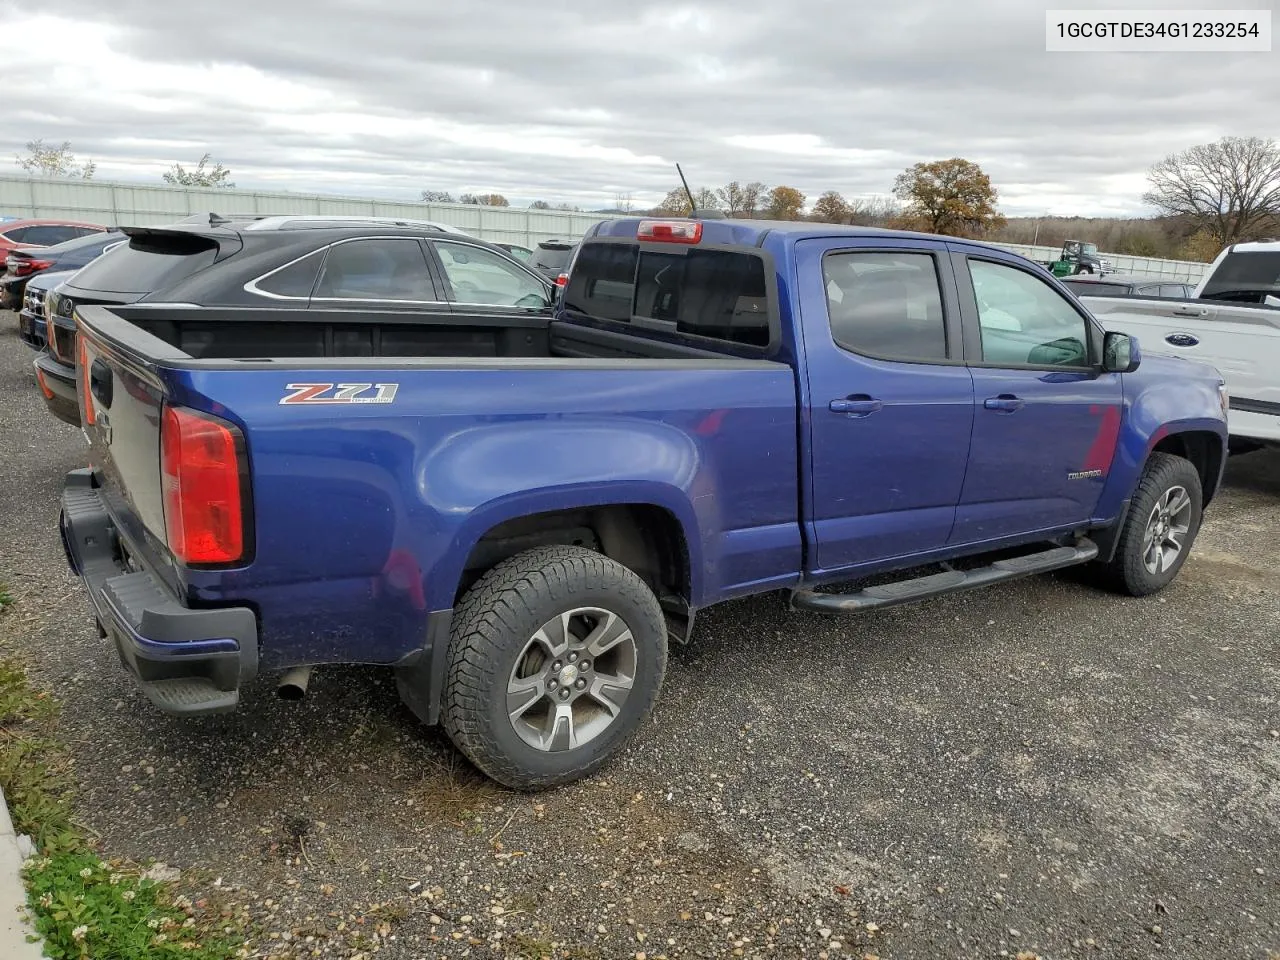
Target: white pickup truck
<point x="1232" y="322"/>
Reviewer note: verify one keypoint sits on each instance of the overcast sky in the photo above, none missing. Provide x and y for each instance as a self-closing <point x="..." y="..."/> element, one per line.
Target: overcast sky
<point x="576" y="102"/>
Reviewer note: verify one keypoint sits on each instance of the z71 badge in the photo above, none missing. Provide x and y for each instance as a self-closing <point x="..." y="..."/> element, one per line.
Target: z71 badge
<point x="342" y="393"/>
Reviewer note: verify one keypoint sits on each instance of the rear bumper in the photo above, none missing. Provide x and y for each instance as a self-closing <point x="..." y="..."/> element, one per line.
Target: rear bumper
<point x="186" y="661"/>
<point x="58" y="387"/>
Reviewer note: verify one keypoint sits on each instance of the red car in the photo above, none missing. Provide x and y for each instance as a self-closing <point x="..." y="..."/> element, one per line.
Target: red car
<point x="24" y="234"/>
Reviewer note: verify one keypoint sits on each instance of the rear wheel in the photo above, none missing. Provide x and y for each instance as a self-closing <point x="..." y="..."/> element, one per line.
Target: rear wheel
<point x="1163" y="520"/>
<point x="555" y="657"/>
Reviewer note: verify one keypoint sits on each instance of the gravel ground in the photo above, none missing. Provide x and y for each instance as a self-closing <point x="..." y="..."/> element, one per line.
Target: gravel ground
<point x="1034" y="770"/>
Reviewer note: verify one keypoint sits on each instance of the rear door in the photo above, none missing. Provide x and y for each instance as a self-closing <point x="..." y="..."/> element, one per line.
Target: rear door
<point x="892" y="401"/>
<point x="1046" y="418"/>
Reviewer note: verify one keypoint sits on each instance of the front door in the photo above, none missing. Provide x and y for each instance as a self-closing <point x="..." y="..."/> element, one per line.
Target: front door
<point x="1046" y="420"/>
<point x="891" y="401"/>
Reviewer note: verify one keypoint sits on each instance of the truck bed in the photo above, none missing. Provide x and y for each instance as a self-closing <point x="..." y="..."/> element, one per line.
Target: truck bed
<point x="455" y="429"/>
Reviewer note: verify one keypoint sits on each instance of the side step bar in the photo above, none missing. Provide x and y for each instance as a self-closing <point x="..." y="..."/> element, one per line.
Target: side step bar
<point x="949" y="581"/>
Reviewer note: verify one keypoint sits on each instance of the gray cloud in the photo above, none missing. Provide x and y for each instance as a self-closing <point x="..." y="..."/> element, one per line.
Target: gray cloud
<point x="578" y="101"/>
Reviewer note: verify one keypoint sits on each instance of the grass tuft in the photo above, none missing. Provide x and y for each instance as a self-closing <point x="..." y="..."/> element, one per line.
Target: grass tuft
<point x="85" y="907"/>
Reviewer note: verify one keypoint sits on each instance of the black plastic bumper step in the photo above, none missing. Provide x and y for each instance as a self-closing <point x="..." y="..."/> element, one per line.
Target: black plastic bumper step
<point x="949" y="581"/>
<point x="190" y="696"/>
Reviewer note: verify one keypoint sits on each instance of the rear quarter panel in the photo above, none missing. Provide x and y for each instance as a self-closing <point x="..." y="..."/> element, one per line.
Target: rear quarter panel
<point x="366" y="513"/>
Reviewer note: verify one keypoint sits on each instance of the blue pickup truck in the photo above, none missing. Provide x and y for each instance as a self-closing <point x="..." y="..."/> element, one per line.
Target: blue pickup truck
<point x="515" y="509"/>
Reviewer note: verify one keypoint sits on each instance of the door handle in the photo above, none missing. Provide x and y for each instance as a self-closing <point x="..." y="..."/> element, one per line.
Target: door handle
<point x="857" y="405"/>
<point x="1005" y="403"/>
<point x="1181" y="340"/>
<point x="1191" y="311"/>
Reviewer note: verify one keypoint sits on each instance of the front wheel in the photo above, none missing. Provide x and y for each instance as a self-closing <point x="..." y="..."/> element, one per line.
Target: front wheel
<point x="555" y="657"/>
<point x="1163" y="520"/>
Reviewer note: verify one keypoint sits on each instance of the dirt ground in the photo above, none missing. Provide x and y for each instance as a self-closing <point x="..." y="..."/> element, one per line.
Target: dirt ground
<point x="1038" y="769"/>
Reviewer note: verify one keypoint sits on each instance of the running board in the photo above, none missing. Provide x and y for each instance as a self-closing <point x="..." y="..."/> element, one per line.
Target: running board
<point x="949" y="581"/>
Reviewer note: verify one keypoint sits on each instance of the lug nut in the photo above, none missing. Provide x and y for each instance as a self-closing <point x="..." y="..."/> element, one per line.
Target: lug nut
<point x="581" y="684"/>
<point x="556" y="666"/>
<point x="552" y="683"/>
<point x="585" y="665"/>
<point x="573" y="657"/>
<point x="564" y="694"/>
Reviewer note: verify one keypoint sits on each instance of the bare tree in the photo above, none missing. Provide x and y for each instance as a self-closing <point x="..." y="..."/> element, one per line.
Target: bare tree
<point x="539" y="205"/>
<point x="623" y="201"/>
<point x="437" y="196"/>
<point x="43" y="161"/>
<point x="1229" y="189"/>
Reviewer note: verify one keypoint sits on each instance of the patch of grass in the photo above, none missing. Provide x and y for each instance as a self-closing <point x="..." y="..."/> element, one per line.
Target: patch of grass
<point x="6" y="598"/>
<point x="83" y="906"/>
<point x="84" y="909"/>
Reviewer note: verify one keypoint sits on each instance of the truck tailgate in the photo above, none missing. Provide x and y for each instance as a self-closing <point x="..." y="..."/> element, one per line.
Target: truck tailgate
<point x="121" y="399"/>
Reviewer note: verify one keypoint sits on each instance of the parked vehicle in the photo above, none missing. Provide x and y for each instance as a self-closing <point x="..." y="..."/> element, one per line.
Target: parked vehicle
<point x="552" y="259"/>
<point x="22" y="265"/>
<point x="523" y="254"/>
<point x="25" y="234"/>
<point x="1232" y="324"/>
<point x="1077" y="257"/>
<point x="1118" y="285"/>
<point x="1244" y="273"/>
<point x="31" y="319"/>
<point x="515" y="511"/>
<point x="337" y="265"/>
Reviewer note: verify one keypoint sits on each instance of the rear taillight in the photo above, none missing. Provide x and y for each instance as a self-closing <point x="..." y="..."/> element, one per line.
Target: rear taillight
<point x="90" y="416"/>
<point x="23" y="268"/>
<point x="201" y="475"/>
<point x="562" y="279"/>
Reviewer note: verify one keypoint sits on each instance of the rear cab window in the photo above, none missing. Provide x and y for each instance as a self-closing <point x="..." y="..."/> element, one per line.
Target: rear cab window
<point x="1248" y="277"/>
<point x="709" y="296"/>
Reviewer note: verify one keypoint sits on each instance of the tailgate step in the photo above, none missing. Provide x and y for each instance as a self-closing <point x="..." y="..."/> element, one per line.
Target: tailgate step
<point x="190" y="696"/>
<point x="949" y="581"/>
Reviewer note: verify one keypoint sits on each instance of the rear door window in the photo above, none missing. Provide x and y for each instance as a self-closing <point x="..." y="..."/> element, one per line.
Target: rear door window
<point x="148" y="263"/>
<point x="390" y="269"/>
<point x="886" y="305"/>
<point x="16" y="235"/>
<point x="708" y="293"/>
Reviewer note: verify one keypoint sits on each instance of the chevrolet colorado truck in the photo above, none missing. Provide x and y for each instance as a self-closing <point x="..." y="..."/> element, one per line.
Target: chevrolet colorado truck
<point x="515" y="511"/>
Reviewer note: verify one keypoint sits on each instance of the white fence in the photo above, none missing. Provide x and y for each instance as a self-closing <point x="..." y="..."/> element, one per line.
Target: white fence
<point x="1139" y="266"/>
<point x="131" y="204"/>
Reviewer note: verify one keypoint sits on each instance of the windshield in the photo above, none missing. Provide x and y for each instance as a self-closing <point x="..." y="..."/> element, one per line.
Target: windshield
<point x="1089" y="247"/>
<point x="1245" y="278"/>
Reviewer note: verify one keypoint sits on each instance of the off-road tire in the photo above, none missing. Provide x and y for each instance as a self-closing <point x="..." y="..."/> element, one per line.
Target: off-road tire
<point x="493" y="623"/>
<point x="1126" y="572"/>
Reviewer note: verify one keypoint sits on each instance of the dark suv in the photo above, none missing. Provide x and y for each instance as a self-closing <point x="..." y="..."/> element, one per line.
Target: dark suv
<point x="551" y="258"/>
<point x="339" y="266"/>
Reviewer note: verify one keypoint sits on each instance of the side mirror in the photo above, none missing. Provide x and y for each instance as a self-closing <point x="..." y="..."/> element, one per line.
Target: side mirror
<point x="1120" y="353"/>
